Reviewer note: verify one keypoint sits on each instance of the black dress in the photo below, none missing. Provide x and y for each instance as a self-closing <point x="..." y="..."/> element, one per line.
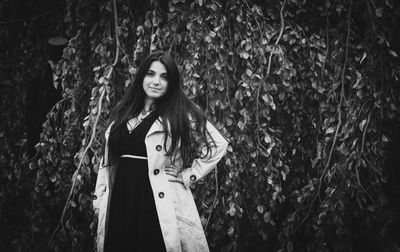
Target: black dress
<point x="133" y="221"/>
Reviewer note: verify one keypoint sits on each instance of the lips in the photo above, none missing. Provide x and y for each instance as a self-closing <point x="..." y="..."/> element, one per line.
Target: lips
<point x="155" y="89"/>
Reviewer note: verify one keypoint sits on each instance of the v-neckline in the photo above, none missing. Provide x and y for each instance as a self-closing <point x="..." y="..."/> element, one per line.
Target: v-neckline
<point x="138" y="124"/>
<point x="127" y="125"/>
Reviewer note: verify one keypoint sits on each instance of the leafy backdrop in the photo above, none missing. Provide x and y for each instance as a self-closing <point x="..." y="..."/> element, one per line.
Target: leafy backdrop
<point x="307" y="92"/>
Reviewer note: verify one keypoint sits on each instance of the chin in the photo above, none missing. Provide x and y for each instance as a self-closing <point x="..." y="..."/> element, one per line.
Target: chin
<point x="154" y="97"/>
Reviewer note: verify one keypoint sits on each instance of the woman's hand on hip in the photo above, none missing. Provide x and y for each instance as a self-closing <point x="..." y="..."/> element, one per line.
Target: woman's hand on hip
<point x="176" y="176"/>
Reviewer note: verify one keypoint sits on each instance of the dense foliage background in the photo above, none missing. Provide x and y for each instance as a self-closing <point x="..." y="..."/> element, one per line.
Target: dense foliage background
<point x="306" y="91"/>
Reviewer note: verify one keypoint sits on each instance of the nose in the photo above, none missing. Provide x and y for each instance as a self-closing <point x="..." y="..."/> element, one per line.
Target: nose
<point x="156" y="80"/>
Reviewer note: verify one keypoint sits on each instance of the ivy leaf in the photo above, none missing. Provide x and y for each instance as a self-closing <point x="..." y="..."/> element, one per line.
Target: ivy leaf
<point x="362" y="124"/>
<point x="393" y="53"/>
<point x="241" y="125"/>
<point x="53" y="178"/>
<point x="379" y="12"/>
<point x="363" y="57"/>
<point x="330" y="130"/>
<point x="267" y="217"/>
<point x="85" y="123"/>
<point x="248" y="46"/>
<point x="231" y="230"/>
<point x="387" y="2"/>
<point x="86" y="160"/>
<point x="267" y="138"/>
<point x="272" y="104"/>
<point x="314" y="162"/>
<point x="249" y="72"/>
<point x="232" y="210"/>
<point x="218" y="66"/>
<point x="289" y="246"/>
<point x="283" y="175"/>
<point x="147" y="23"/>
<point x="260" y="209"/>
<point x="266" y="98"/>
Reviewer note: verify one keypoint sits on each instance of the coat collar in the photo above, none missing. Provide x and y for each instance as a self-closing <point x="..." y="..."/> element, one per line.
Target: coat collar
<point x="157" y="126"/>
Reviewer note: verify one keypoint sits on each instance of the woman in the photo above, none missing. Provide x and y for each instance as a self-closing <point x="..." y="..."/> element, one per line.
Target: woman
<point x="158" y="144"/>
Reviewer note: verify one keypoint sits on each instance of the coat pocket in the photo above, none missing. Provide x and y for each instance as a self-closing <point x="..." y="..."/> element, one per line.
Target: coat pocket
<point x="188" y="222"/>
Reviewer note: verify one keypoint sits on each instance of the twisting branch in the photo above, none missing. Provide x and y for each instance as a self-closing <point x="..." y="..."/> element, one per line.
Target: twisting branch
<point x="258" y="24"/>
<point x="364" y="133"/>
<point x="327" y="37"/>
<point x="215" y="198"/>
<point x="93" y="135"/>
<point x="116" y="36"/>
<point x="282" y="23"/>
<point x="342" y="98"/>
<point x="343" y="95"/>
<point x="76" y="173"/>
<point x="269" y="70"/>
<point x="278" y="39"/>
<point x="361" y="153"/>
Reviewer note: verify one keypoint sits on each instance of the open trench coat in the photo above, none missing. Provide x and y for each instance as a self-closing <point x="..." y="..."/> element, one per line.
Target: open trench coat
<point x="179" y="219"/>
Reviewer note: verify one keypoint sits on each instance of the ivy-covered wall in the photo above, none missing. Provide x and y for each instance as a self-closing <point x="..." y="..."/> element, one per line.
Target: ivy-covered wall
<point x="306" y="91"/>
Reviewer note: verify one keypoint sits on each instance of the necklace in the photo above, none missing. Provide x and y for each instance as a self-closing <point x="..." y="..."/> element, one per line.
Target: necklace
<point x="145" y="113"/>
<point x="134" y="122"/>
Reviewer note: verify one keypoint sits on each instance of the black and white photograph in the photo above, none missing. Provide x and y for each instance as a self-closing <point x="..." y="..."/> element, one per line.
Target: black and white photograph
<point x="199" y="126"/>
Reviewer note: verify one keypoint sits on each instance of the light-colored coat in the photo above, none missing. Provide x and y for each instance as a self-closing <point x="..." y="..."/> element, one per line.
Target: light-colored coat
<point x="177" y="213"/>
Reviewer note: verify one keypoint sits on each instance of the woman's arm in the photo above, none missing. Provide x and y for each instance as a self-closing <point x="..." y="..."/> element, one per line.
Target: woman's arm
<point x="202" y="166"/>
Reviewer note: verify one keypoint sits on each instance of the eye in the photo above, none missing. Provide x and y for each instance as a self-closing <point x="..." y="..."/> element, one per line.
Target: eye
<point x="164" y="76"/>
<point x="150" y="73"/>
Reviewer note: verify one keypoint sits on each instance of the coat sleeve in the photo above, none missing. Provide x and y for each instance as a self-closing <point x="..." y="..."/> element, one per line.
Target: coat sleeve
<point x="101" y="182"/>
<point x="101" y="185"/>
<point x="203" y="165"/>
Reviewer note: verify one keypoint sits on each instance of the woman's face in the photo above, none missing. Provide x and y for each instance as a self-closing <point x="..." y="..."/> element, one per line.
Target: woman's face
<point x="155" y="83"/>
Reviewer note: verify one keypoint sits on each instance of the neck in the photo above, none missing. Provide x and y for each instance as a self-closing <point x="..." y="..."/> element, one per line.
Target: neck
<point x="148" y="104"/>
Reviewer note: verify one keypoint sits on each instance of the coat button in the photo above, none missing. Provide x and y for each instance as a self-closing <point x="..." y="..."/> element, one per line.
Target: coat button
<point x="156" y="171"/>
<point x="193" y="178"/>
<point x="158" y="148"/>
<point x="161" y="195"/>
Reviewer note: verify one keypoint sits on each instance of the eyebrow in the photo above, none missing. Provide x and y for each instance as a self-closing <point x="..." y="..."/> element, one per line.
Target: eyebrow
<point x="154" y="71"/>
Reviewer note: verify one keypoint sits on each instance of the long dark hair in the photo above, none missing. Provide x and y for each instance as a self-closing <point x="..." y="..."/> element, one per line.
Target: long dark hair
<point x="183" y="119"/>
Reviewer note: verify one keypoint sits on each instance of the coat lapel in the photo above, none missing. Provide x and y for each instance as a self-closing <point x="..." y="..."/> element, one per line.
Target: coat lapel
<point x="157" y="127"/>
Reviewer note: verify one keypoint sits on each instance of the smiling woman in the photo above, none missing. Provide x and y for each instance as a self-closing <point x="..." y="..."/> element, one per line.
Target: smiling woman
<point x="155" y="83"/>
<point x="150" y="161"/>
